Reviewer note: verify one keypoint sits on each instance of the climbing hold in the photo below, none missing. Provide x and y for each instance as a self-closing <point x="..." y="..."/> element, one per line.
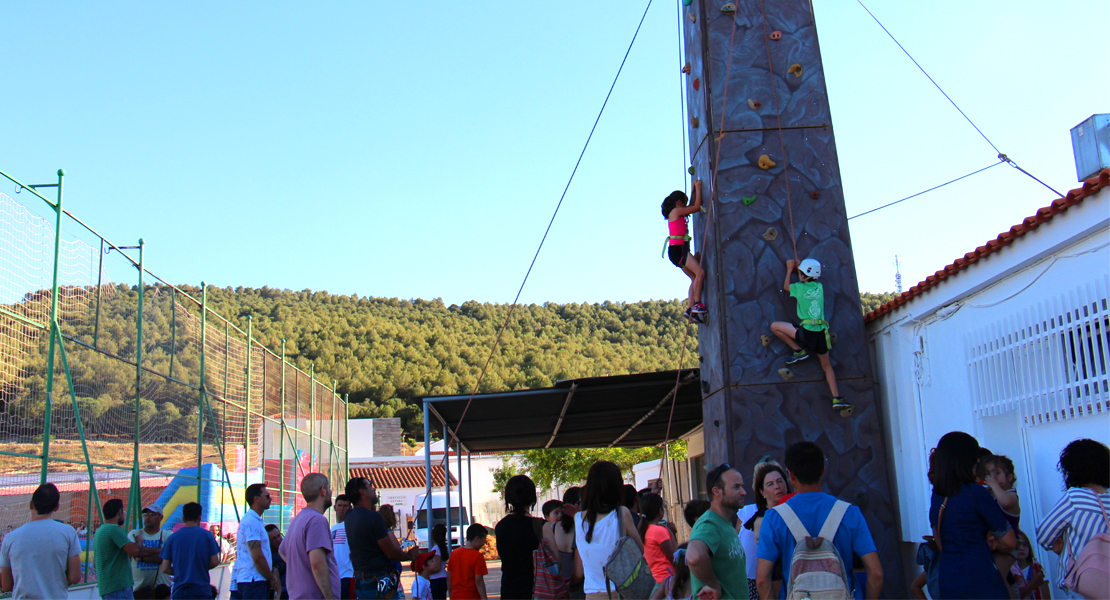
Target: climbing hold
<point x="754" y="104"/>
<point x="728" y="8"/>
<point x="686" y="68"/>
<point x="786" y="374"/>
<point x="776" y="35"/>
<point x="815" y="195"/>
<point x="771" y="234"/>
<point x="691" y="170"/>
<point x="693" y="17"/>
<point x="687" y="2"/>
<point x="693" y="121"/>
<point x="795" y="70"/>
<point x="766" y="339"/>
<point x="832" y="337"/>
<point x="765" y="162"/>
<point x="747" y="200"/>
<point x="697" y="83"/>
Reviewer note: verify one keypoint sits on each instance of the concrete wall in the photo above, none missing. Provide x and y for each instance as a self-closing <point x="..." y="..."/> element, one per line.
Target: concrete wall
<point x="1032" y="303"/>
<point x="749" y="410"/>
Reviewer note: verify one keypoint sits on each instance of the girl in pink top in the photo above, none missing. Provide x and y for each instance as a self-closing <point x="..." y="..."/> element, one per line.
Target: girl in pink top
<point x="676" y="209"/>
<point x="659" y="544"/>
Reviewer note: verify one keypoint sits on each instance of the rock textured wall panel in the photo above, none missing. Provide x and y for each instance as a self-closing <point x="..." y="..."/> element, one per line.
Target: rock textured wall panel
<point x="770" y="100"/>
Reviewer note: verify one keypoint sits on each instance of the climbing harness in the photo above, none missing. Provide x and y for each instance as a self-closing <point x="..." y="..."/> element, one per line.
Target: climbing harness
<point x="667" y="242"/>
<point x="824" y="325"/>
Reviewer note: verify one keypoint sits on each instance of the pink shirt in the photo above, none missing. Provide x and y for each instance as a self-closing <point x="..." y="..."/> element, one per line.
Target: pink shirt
<point x="677" y="227"/>
<point x="660" y="563"/>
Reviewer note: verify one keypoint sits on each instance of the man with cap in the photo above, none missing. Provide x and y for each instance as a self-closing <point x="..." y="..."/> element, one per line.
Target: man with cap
<point x="145" y="570"/>
<point x="425" y="566"/>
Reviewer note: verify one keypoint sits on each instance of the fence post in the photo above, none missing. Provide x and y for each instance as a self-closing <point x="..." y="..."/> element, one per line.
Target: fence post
<point x="54" y="331"/>
<point x="99" y="283"/>
<point x="247" y="418"/>
<point x="281" y="445"/>
<point x="135" y="496"/>
<point x="200" y="404"/>
<point x="311" y="422"/>
<point x="346" y="432"/>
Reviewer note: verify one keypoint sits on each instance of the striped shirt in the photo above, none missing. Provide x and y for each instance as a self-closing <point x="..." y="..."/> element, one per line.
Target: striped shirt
<point x="1078" y="515"/>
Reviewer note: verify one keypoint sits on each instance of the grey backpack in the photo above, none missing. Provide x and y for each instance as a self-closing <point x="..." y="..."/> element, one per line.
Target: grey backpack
<point x="626" y="568"/>
<point x="816" y="569"/>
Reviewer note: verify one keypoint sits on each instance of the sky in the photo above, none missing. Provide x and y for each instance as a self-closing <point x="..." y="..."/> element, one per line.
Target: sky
<point x="418" y="150"/>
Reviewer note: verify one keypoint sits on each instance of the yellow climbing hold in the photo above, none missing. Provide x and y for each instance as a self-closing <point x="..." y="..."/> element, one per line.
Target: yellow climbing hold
<point x="795" y="70"/>
<point x="766" y="339"/>
<point x="765" y="162"/>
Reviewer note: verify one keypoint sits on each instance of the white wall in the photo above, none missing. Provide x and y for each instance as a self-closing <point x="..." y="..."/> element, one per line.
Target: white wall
<point x="992" y="351"/>
<point x="360" y="439"/>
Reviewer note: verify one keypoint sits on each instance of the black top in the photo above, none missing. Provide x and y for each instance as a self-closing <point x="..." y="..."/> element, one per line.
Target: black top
<point x="516" y="539"/>
<point x="364" y="528"/>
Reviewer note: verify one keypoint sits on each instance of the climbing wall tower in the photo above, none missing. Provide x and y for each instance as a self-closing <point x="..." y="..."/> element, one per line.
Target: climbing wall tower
<point x="758" y="111"/>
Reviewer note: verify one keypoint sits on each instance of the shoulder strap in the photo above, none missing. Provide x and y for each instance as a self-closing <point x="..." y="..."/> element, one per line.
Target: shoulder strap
<point x="1101" y="507"/>
<point x="832" y="522"/>
<point x="792" y="522"/>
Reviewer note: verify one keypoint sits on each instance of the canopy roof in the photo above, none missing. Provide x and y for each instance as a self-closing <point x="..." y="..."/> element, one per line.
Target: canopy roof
<point x="595" y="412"/>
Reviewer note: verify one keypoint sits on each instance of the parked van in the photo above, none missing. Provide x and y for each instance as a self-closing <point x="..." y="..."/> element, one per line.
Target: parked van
<point x="460" y="518"/>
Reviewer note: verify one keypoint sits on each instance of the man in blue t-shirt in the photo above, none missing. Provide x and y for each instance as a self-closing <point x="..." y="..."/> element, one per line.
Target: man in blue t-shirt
<point x="189" y="553"/>
<point x="805" y="464"/>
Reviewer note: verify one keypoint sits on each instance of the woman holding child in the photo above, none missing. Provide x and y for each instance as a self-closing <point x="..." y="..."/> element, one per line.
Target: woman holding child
<point x="962" y="513"/>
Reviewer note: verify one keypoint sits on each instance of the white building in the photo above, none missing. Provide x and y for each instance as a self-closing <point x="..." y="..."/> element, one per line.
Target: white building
<point x="1009" y="343"/>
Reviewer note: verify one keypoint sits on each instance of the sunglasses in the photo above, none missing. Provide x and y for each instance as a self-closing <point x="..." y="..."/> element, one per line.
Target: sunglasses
<point x="714" y="476"/>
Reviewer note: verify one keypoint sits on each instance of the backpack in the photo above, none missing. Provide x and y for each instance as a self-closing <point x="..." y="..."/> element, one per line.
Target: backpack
<point x="626" y="568"/>
<point x="550" y="584"/>
<point x="816" y="569"/>
<point x="1089" y="573"/>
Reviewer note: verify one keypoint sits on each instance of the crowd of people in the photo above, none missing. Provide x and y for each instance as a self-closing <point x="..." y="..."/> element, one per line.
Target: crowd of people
<point x="792" y="537"/>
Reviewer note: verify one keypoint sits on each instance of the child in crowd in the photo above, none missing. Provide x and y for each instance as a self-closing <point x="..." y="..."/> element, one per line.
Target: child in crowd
<point x="997" y="473"/>
<point x="676" y="586"/>
<point x="811" y="335"/>
<point x="677" y="248"/>
<point x="552" y="511"/>
<point x="1028" y="573"/>
<point x="425" y="565"/>
<point x="468" y="566"/>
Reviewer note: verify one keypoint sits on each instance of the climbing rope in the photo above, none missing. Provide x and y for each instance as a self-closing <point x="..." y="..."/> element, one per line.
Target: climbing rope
<point x="516" y="300"/>
<point x="927" y="191"/>
<point x="782" y="138"/>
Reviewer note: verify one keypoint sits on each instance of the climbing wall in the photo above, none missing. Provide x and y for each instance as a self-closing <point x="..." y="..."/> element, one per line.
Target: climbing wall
<point x="758" y="110"/>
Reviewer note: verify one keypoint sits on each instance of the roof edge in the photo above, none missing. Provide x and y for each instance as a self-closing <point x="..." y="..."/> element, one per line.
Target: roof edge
<point x="1042" y="216"/>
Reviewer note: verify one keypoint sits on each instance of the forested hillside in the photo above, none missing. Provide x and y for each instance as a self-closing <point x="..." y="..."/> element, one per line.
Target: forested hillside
<point x="385" y="353"/>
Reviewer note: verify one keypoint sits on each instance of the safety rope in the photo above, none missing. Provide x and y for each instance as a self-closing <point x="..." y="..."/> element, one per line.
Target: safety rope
<point x="454" y="434"/>
<point x="782" y="139"/>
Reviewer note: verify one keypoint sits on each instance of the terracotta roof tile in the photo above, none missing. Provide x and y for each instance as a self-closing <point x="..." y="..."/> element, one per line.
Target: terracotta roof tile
<point x="387" y="478"/>
<point x="1059" y="205"/>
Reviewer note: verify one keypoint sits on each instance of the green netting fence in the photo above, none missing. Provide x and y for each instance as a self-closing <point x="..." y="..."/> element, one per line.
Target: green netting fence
<point x="117" y="384"/>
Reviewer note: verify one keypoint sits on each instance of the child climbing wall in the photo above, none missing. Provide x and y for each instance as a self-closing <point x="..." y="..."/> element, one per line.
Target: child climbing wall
<point x="811" y="335"/>
<point x="676" y="210"/>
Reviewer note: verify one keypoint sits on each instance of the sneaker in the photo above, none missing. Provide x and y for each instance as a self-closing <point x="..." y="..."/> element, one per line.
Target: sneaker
<point x="700" y="308"/>
<point x="843" y="407"/>
<point x="797" y="357"/>
<point x="695" y="317"/>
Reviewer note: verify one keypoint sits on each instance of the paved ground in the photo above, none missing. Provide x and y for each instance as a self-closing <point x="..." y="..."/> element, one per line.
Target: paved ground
<point x="493" y="579"/>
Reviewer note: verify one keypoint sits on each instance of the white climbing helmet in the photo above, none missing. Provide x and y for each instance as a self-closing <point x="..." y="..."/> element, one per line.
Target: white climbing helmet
<point x="810" y="268"/>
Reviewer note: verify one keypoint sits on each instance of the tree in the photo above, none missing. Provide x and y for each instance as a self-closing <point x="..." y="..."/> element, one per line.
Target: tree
<point x="502" y="474"/>
<point x="569" y="466"/>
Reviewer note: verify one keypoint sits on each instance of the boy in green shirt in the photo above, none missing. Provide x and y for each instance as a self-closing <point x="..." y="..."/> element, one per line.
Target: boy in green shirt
<point x="811" y="335"/>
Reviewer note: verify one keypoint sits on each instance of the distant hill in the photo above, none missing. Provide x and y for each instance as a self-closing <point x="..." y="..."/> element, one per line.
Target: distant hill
<point x="384" y="352"/>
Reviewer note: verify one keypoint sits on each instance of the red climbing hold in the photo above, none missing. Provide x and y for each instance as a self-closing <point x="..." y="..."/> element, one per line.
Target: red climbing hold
<point x="815" y="195"/>
<point x="697" y="84"/>
<point x="686" y="68"/>
<point x="776" y="35"/>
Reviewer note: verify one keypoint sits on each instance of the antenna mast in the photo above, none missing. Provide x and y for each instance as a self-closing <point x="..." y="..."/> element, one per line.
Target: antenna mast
<point x="897" y="277"/>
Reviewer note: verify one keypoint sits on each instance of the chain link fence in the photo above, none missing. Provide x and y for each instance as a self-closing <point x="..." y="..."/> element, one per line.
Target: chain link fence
<point x="117" y="384"/>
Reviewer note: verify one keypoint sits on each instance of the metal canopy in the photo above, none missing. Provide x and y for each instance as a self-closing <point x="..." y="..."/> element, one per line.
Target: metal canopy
<point x="596" y="412"/>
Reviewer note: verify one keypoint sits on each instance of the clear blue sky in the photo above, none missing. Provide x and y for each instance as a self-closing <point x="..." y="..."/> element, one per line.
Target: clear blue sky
<point x="418" y="149"/>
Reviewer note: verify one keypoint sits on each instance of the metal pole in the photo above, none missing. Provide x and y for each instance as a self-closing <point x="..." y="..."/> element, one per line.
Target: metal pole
<point x="458" y="458"/>
<point x="54" y="333"/>
<point x="470" y="482"/>
<point x="133" y="508"/>
<point x="281" y="445"/>
<point x="173" y="328"/>
<point x="247" y="418"/>
<point x="428" y="521"/>
<point x="311" y="421"/>
<point x="346" y="432"/>
<point x="447" y="482"/>
<point x="200" y="401"/>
